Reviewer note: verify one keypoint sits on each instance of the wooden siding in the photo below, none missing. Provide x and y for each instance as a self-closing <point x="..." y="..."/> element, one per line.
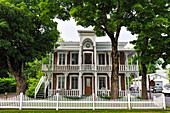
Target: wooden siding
<point x="54" y="80"/>
<point x="122" y="81"/>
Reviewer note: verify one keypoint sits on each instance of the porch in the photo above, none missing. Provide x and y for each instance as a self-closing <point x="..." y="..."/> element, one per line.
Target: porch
<point x="103" y="93"/>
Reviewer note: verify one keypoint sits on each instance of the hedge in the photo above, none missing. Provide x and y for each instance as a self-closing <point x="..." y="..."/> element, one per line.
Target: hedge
<point x="7" y="85"/>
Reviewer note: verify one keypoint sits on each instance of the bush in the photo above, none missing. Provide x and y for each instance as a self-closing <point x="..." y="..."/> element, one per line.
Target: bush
<point x="33" y="84"/>
<point x="7" y="85"/>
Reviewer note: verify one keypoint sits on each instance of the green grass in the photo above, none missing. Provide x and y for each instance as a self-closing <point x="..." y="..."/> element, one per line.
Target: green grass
<point x="86" y="111"/>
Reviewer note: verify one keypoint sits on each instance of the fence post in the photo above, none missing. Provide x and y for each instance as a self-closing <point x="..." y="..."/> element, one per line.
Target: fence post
<point x="21" y="96"/>
<point x="93" y="102"/>
<point x="128" y="101"/>
<point x="163" y="100"/>
<point x="57" y="102"/>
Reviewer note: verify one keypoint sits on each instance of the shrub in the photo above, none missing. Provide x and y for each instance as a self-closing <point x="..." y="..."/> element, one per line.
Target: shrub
<point x="7" y="85"/>
<point x="33" y="84"/>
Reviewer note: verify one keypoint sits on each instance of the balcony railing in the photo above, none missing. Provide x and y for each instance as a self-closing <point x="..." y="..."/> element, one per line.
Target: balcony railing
<point x="88" y="67"/>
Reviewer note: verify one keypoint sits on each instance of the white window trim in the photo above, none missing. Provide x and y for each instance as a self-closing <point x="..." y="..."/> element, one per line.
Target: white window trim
<point x="71" y="81"/>
<point x="57" y="76"/>
<point x="84" y="56"/>
<point x="105" y="81"/>
<point x="65" y="58"/>
<point x="71" y="58"/>
<point x="98" y="58"/>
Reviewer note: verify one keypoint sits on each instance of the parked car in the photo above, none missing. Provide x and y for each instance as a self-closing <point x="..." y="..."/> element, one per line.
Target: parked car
<point x="134" y="88"/>
<point x="156" y="88"/>
<point x="166" y="89"/>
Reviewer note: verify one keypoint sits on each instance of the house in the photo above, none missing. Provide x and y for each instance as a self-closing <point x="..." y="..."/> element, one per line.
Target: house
<point x="83" y="68"/>
<point x="160" y="77"/>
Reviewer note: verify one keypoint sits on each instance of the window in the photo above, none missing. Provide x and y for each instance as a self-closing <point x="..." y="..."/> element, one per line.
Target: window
<point x="74" y="82"/>
<point x="102" y="83"/>
<point x="61" y="82"/>
<point x="101" y="59"/>
<point x="74" y="60"/>
<point x="62" y="59"/>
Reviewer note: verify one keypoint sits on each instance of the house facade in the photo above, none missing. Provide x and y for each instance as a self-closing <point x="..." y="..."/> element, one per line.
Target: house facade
<point x="83" y="68"/>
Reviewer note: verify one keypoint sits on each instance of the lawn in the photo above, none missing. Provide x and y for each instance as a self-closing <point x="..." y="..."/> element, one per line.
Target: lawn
<point x="86" y="111"/>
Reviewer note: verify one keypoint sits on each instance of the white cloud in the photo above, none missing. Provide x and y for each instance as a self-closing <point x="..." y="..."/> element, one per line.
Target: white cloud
<point x="68" y="30"/>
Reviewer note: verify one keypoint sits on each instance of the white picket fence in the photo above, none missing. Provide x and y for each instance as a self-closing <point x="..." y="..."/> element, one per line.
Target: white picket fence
<point x="91" y="102"/>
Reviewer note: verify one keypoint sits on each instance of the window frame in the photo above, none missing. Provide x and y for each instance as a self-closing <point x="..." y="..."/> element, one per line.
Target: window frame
<point x="99" y="59"/>
<point x="61" y="82"/>
<point x="84" y="56"/>
<point x="58" y="54"/>
<point x="71" y="81"/>
<point x="72" y="59"/>
<point x="105" y="81"/>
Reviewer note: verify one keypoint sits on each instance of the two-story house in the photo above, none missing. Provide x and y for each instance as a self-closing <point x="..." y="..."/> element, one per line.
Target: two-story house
<point x="83" y="68"/>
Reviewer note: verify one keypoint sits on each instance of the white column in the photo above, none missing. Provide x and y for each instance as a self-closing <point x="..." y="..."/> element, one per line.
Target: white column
<point x="65" y="86"/>
<point x="135" y="82"/>
<point x="109" y="53"/>
<point x="128" y="82"/>
<point x="119" y="83"/>
<point x="80" y="84"/>
<point x="110" y="80"/>
<point x="126" y="56"/>
<point x="125" y="81"/>
<point x="95" y="58"/>
<point x="137" y="63"/>
<point x="80" y="58"/>
<point x="95" y="83"/>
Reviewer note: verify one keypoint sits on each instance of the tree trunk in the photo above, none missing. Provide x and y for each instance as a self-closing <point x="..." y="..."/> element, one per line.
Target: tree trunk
<point x="144" y="85"/>
<point x="21" y="84"/>
<point x="115" y="73"/>
<point x="19" y="76"/>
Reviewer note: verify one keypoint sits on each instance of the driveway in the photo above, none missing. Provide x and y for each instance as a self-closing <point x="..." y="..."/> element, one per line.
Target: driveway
<point x="167" y="98"/>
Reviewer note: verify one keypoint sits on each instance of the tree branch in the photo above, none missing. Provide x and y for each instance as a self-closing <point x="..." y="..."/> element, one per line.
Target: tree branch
<point x="10" y="67"/>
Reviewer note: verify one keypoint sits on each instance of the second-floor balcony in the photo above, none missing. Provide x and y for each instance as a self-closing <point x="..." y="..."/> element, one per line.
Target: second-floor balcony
<point x="88" y="67"/>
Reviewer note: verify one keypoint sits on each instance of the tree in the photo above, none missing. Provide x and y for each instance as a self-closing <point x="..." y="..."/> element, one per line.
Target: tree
<point x="150" y="31"/>
<point x="106" y="17"/>
<point x="27" y="32"/>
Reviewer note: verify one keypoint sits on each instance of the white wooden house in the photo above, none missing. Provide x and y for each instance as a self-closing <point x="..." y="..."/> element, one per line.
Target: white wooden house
<point x="83" y="68"/>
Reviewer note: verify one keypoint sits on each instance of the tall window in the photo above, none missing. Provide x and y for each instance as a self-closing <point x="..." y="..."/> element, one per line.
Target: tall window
<point x="74" y="59"/>
<point x="74" y="82"/>
<point x="61" y="81"/>
<point x="101" y="59"/>
<point x="62" y="59"/>
<point x="102" y="82"/>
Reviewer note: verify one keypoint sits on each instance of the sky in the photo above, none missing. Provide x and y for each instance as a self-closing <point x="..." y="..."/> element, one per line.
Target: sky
<point x="68" y="31"/>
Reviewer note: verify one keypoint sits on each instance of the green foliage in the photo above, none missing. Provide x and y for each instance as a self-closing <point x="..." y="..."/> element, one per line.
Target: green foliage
<point x="151" y="23"/>
<point x="73" y="98"/>
<point x="33" y="83"/>
<point x="7" y="85"/>
<point x="27" y="32"/>
<point x="169" y="74"/>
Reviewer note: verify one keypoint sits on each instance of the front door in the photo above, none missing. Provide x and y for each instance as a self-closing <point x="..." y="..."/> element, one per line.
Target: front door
<point x="88" y="85"/>
<point x="88" y="58"/>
